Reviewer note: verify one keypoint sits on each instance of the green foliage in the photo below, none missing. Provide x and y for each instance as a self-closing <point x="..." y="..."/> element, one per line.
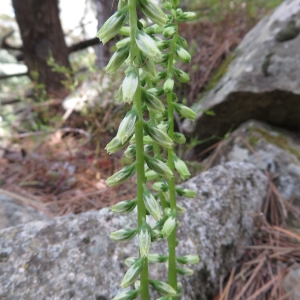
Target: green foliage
<point x="216" y="10"/>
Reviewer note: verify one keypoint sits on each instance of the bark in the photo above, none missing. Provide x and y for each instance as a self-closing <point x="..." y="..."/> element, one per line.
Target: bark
<point x="42" y="36"/>
<point x="104" y="10"/>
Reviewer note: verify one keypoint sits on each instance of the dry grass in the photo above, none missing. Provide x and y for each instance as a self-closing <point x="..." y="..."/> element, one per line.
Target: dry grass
<point x="63" y="173"/>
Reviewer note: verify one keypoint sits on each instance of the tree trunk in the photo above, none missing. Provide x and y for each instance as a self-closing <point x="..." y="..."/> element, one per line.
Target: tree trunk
<point x="104" y="10"/>
<point x="42" y="36"/>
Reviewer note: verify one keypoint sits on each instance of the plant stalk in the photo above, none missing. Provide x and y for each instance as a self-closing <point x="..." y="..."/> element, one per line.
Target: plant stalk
<point x="139" y="133"/>
<point x="172" y="272"/>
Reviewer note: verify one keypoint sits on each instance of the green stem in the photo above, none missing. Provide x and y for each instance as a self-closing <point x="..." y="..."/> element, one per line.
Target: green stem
<point x="139" y="133"/>
<point x="172" y="273"/>
<point x="163" y="201"/>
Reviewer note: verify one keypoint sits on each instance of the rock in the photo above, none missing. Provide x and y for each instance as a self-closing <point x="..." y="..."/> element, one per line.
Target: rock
<point x="72" y="257"/>
<point x="272" y="149"/>
<point x="13" y="213"/>
<point x="261" y="82"/>
<point x="291" y="284"/>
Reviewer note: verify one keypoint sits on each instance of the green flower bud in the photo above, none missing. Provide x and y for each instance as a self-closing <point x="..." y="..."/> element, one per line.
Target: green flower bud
<point x="185" y="111"/>
<point x="125" y="30"/>
<point x="148" y="66"/>
<point x="179" y="12"/>
<point x="117" y="59"/>
<point x="132" y="274"/>
<point x="127" y="126"/>
<point x="164" y="126"/>
<point x="130" y="151"/>
<point x="153" y="103"/>
<point x="167" y="211"/>
<point x="157" y="258"/>
<point x="113" y="25"/>
<point x="159" y="76"/>
<point x="180" y="209"/>
<point x="174" y="3"/>
<point x="154" y="29"/>
<point x="151" y="175"/>
<point x="188" y="259"/>
<point x="123" y="43"/>
<point x="163" y="288"/>
<point x="147" y="45"/>
<point x="114" y="145"/>
<point x="182" y="76"/>
<point x="151" y="204"/>
<point x="182" y="42"/>
<point x="169" y="85"/>
<point x="124" y="206"/>
<point x="144" y="240"/>
<point x="181" y="167"/>
<point x="185" y="271"/>
<point x="186" y="193"/>
<point x="179" y="138"/>
<point x="153" y="12"/>
<point x="130" y="261"/>
<point x="183" y="54"/>
<point x="123" y="235"/>
<point x="169" y="226"/>
<point x="127" y="295"/>
<point x="169" y="31"/>
<point x="159" y="167"/>
<point x="156" y="91"/>
<point x="167" y="5"/>
<point x="187" y="16"/>
<point x="121" y="176"/>
<point x="160" y="186"/>
<point x="130" y="85"/>
<point x="163" y="45"/>
<point x="158" y="136"/>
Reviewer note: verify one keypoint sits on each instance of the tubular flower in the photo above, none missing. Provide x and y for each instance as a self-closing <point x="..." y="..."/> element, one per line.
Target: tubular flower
<point x="144" y="240"/>
<point x="181" y="167"/>
<point x="130" y="85"/>
<point x="147" y="45"/>
<point x="151" y="204"/>
<point x="153" y="12"/>
<point x="123" y="235"/>
<point x="158" y="136"/>
<point x="153" y="103"/>
<point x="121" y="176"/>
<point x="113" y="25"/>
<point x="124" y="206"/>
<point x="163" y="288"/>
<point x="126" y="128"/>
<point x="127" y="295"/>
<point x="117" y="59"/>
<point x="132" y="274"/>
<point x="159" y="167"/>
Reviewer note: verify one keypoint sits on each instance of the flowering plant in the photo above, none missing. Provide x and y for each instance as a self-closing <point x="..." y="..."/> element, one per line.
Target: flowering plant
<point x="144" y="52"/>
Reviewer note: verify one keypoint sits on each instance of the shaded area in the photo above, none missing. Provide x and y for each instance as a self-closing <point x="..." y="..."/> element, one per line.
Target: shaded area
<point x="278" y="108"/>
